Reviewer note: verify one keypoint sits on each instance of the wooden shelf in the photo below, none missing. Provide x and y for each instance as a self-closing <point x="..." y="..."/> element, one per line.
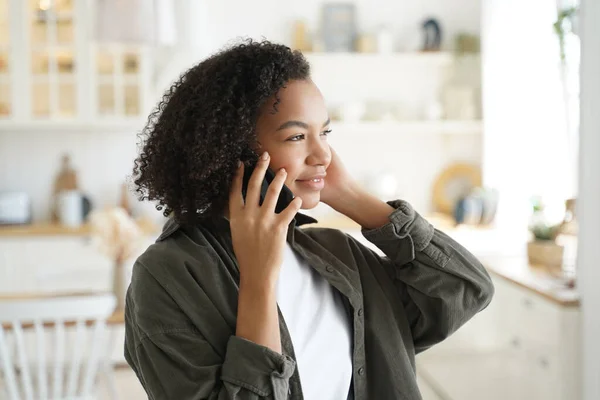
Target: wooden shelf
<point x="43" y="230"/>
<point x="50" y="229"/>
<point x="106" y="124"/>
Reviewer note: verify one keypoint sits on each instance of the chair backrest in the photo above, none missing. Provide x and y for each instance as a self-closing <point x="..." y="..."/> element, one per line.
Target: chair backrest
<point x="68" y="362"/>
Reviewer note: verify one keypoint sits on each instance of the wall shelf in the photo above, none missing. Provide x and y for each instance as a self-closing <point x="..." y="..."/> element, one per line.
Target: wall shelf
<point x="441" y="127"/>
<point x="438" y="57"/>
<point x="62" y="125"/>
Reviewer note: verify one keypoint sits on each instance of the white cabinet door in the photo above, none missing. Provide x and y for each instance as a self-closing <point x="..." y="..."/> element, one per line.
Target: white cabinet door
<point x="52" y="263"/>
<point x="14" y="275"/>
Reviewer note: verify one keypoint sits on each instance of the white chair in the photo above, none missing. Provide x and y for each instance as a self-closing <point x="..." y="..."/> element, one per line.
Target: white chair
<point x="70" y="362"/>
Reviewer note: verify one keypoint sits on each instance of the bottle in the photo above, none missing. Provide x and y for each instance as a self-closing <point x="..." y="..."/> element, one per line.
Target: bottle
<point x="385" y="41"/>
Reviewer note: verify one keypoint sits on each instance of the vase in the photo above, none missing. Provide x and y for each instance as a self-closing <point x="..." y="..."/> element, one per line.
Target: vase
<point x="545" y="253"/>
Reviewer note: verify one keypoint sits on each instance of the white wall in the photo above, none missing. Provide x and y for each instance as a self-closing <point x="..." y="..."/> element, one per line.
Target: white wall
<point x="588" y="210"/>
<point x="30" y="160"/>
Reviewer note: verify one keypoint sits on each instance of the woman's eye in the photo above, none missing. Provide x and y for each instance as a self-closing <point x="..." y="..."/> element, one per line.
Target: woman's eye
<point x="302" y="136"/>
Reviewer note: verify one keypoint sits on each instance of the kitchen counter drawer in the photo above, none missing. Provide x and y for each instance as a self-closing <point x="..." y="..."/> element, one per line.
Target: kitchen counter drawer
<point x="531" y="320"/>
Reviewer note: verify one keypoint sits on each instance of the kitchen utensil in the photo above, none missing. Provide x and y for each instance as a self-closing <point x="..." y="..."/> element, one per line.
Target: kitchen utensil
<point x="70" y="208"/>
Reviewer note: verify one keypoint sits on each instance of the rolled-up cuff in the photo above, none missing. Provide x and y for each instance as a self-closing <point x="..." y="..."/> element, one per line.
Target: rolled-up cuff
<point x="406" y="233"/>
<point x="256" y="368"/>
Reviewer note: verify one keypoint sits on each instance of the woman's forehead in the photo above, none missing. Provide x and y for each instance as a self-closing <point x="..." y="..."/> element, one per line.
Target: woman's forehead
<point x="298" y="100"/>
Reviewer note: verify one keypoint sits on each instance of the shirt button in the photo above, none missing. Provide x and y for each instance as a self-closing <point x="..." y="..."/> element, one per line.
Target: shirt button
<point x="360" y="312"/>
<point x="361" y="371"/>
<point x="329" y="268"/>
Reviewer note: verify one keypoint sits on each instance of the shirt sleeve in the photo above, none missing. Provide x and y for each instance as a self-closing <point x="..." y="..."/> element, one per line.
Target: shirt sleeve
<point x="174" y="361"/>
<point x="441" y="284"/>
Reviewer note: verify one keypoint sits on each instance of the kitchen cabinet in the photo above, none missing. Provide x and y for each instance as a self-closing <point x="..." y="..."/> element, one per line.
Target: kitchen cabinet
<point x="47" y="264"/>
<point x="56" y="263"/>
<point x="53" y="71"/>
<point x="530" y="350"/>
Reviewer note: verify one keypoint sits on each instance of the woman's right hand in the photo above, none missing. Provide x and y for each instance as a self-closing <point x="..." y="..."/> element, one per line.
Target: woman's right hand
<point x="257" y="232"/>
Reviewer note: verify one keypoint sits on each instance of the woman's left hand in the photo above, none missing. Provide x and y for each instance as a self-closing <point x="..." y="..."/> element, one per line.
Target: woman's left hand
<point x="338" y="182"/>
<point x="346" y="196"/>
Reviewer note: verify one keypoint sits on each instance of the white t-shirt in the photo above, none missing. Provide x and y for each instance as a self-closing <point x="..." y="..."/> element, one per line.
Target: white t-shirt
<point x="319" y="327"/>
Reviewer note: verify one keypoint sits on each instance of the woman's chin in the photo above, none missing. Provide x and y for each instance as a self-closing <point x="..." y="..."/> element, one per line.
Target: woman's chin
<point x="310" y="201"/>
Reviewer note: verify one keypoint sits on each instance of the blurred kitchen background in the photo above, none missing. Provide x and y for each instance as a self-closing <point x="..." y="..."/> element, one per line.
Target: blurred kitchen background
<point x="467" y="109"/>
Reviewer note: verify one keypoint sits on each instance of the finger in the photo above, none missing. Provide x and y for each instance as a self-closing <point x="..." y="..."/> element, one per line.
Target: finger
<point x="270" y="201"/>
<point x="255" y="182"/>
<point x="288" y="214"/>
<point x="236" y="200"/>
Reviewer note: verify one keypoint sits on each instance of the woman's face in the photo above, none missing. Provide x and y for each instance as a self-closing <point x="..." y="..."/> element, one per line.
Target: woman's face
<point x="296" y="138"/>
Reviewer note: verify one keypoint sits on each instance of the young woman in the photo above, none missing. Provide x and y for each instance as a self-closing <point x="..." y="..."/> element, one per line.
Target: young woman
<point x="235" y="300"/>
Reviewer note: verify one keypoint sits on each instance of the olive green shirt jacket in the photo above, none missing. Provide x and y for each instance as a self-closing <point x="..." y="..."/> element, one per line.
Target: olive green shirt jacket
<point x="182" y="302"/>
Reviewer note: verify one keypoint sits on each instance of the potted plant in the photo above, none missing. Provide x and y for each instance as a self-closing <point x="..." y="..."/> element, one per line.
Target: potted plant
<point x="543" y="249"/>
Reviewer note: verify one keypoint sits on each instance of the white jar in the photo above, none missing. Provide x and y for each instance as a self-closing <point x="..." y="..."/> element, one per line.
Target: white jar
<point x="70" y="208"/>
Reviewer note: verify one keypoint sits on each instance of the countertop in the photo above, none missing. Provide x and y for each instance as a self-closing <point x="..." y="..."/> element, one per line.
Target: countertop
<point x="54" y="229"/>
<point x="43" y="229"/>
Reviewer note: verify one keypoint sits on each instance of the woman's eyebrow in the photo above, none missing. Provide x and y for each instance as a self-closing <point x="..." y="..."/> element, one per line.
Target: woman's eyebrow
<point x="299" y="124"/>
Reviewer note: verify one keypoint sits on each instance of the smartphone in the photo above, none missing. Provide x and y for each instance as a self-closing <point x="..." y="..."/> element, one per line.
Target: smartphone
<point x="285" y="196"/>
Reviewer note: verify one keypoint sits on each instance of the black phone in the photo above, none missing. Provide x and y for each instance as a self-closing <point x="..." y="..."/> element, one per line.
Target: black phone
<point x="285" y="196"/>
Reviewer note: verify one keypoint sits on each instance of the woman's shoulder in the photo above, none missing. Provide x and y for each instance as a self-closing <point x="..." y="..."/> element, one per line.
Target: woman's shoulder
<point x="178" y="275"/>
<point x="175" y="250"/>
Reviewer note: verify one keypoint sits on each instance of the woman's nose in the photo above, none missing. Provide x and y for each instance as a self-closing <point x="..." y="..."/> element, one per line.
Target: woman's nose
<point x="320" y="154"/>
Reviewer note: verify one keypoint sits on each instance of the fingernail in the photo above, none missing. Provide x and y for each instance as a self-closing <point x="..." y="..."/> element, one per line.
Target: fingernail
<point x="239" y="164"/>
<point x="265" y="156"/>
<point x="282" y="170"/>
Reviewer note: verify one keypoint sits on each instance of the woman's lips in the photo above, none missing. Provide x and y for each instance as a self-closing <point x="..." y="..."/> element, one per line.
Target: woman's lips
<point x="313" y="184"/>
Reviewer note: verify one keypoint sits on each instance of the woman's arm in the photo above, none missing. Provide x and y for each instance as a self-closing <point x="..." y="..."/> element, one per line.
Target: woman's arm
<point x="173" y="359"/>
<point x="257" y="317"/>
<point x="441" y="284"/>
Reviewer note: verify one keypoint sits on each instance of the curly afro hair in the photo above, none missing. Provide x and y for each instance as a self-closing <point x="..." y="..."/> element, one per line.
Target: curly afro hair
<point x="205" y="123"/>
